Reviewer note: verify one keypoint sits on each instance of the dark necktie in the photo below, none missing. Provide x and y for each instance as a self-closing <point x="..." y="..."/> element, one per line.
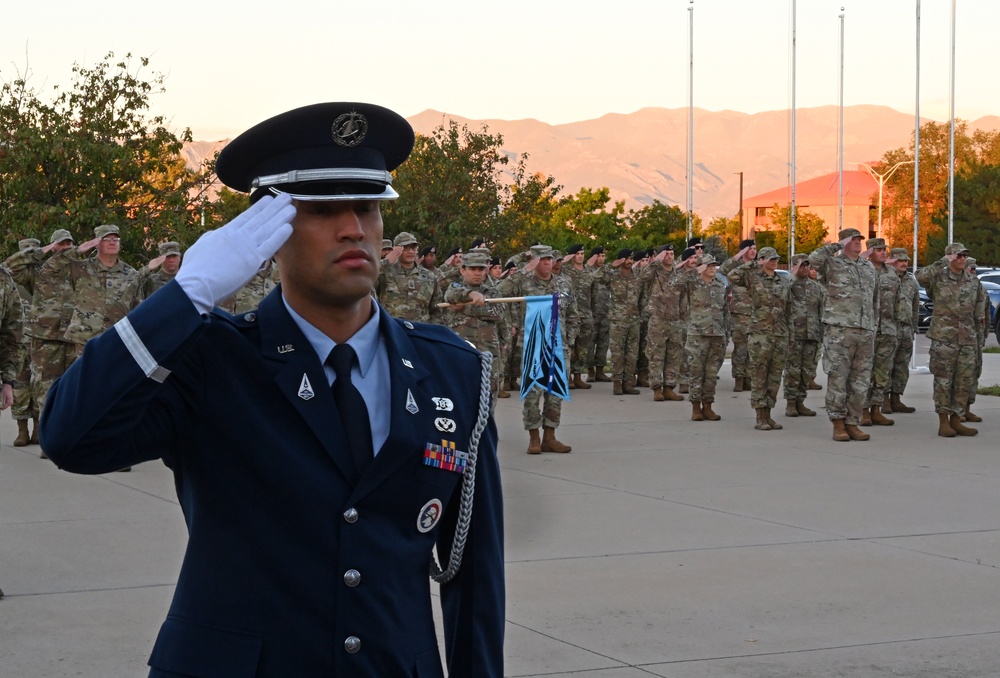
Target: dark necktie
<point x="353" y="412"/>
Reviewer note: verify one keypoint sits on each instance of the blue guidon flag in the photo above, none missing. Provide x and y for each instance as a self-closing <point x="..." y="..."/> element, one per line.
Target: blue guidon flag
<point x="542" y="363"/>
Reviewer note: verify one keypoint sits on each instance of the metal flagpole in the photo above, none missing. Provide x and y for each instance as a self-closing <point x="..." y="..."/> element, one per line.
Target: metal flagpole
<point x="791" y="221"/>
<point x="690" y="158"/>
<point x="840" y="134"/>
<point x="951" y="136"/>
<point x="916" y="187"/>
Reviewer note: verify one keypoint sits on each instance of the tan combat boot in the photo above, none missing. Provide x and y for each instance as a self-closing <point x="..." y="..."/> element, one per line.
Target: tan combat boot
<point x="813" y="386"/>
<point x="34" y="431"/>
<point x="866" y="417"/>
<point x="600" y="376"/>
<point x="790" y="408"/>
<point x="707" y="412"/>
<point x="578" y="382"/>
<point x="570" y="383"/>
<point x="960" y="428"/>
<point x="855" y="432"/>
<point x="696" y="414"/>
<point x="628" y="387"/>
<point x="839" y="432"/>
<point x="590" y="374"/>
<point x="549" y="442"/>
<point x="682" y="388"/>
<point x="944" y="426"/>
<point x="762" y="423"/>
<point x="534" y="442"/>
<point x="616" y="387"/>
<point x="658" y="394"/>
<point x="970" y="416"/>
<point x="899" y="406"/>
<point x="22" y="433"/>
<point x="643" y="379"/>
<point x="800" y="407"/>
<point x="738" y="386"/>
<point x="775" y="426"/>
<point x="503" y="394"/>
<point x="887" y="404"/>
<point x="668" y="394"/>
<point x="878" y="418"/>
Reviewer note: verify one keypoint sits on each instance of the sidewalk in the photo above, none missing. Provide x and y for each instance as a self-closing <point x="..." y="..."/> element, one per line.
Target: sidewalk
<point x="659" y="547"/>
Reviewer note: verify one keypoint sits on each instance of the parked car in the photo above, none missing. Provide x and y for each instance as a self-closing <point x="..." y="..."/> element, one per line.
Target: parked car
<point x="988" y="275"/>
<point x="926" y="308"/>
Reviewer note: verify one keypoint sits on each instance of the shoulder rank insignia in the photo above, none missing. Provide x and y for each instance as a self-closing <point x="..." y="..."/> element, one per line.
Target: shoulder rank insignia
<point x="445" y="456"/>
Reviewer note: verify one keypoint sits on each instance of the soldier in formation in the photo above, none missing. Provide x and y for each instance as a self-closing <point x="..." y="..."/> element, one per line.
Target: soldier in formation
<point x="742" y="309"/>
<point x="581" y="277"/>
<point x="707" y="335"/>
<point x="907" y="318"/>
<point x="625" y="289"/>
<point x="668" y="316"/>
<point x="406" y="289"/>
<point x="805" y="336"/>
<point x="969" y="415"/>
<point x="601" y="309"/>
<point x="885" y="334"/>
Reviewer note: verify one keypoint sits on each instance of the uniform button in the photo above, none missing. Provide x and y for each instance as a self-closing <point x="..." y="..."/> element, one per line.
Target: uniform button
<point x="352" y="644"/>
<point x="407" y="324"/>
<point x="250" y="317"/>
<point x="352" y="578"/>
<point x="351" y="515"/>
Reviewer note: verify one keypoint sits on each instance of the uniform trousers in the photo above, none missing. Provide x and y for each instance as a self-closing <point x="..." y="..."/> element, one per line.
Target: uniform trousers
<point x="882" y="365"/>
<point x="665" y="352"/>
<point x="767" y="362"/>
<point x="954" y="370"/>
<point x="704" y="358"/>
<point x="901" y="361"/>
<point x="741" y="352"/>
<point x="847" y="361"/>
<point x="800" y="367"/>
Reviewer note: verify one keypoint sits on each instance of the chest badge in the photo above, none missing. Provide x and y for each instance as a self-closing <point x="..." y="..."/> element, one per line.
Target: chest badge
<point x="429" y="516"/>
<point x="305" y="389"/>
<point x="445" y="425"/>
<point x="443" y="404"/>
<point x="445" y="457"/>
<point x="411" y="403"/>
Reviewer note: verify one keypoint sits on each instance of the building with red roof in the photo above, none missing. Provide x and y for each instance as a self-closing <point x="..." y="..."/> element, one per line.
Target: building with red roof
<point x="819" y="196"/>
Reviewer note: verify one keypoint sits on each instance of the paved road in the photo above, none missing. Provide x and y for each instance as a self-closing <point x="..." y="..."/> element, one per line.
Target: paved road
<point x="659" y="547"/>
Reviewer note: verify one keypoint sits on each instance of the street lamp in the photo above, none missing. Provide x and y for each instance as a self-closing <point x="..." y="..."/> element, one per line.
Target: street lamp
<point x="882" y="179"/>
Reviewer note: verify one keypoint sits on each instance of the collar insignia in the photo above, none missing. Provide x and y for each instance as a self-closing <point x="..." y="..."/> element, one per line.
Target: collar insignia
<point x="411" y="404"/>
<point x="305" y="389"/>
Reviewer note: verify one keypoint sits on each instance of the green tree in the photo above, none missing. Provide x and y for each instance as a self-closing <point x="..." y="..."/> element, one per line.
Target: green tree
<point x="91" y="154"/>
<point x="728" y="231"/>
<point x="532" y="201"/>
<point x="657" y="224"/>
<point x="585" y="217"/>
<point x="810" y="231"/>
<point x="977" y="216"/>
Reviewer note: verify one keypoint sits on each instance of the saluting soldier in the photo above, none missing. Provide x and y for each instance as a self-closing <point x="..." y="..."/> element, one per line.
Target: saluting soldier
<point x="805" y="336"/>
<point x="319" y="446"/>
<point x="885" y="334"/>
<point x="405" y="289"/>
<point x="707" y="335"/>
<point x="582" y="278"/>
<point x="601" y="306"/>
<point x="668" y="316"/>
<point x="969" y="415"/>
<point x="24" y="407"/>
<point x="625" y="290"/>
<point x="742" y="309"/>
<point x="158" y="272"/>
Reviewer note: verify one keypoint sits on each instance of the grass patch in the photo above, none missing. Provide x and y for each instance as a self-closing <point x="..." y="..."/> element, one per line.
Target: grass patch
<point x="993" y="390"/>
<point x="991" y="349"/>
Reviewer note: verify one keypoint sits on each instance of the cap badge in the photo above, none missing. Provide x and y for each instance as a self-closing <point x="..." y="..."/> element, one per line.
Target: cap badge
<point x="349" y="129"/>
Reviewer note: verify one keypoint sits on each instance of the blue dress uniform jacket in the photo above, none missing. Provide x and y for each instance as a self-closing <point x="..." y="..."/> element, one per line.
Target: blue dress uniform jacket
<point x="294" y="567"/>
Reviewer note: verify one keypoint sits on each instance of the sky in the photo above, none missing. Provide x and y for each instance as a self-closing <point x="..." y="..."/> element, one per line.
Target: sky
<point x="230" y="65"/>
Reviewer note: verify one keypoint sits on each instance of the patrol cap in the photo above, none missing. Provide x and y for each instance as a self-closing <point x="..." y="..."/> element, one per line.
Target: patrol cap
<point x="557" y="255"/>
<point x="687" y="253"/>
<point x="849" y="233"/>
<point x="573" y="249"/>
<point x="386" y="244"/>
<point x="59" y="235"/>
<point x="327" y="151"/>
<point x="899" y="254"/>
<point x="955" y="248"/>
<point x="430" y="249"/>
<point x="970" y="262"/>
<point x="767" y="253"/>
<point x="404" y="239"/>
<point x="169" y="249"/>
<point x="541" y="251"/>
<point x="27" y="244"/>
<point x="597" y="250"/>
<point x="799" y="258"/>
<point x="106" y="229"/>
<point x="476" y="260"/>
<point x="876" y="243"/>
<point x="706" y="259"/>
<point x="624" y="253"/>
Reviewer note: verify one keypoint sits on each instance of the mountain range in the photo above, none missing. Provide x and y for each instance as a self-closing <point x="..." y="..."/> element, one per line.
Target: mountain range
<point x="641" y="156"/>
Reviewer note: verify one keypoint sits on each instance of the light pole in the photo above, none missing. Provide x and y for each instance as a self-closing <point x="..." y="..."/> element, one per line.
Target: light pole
<point x="741" y="203"/>
<point x="882" y="179"/>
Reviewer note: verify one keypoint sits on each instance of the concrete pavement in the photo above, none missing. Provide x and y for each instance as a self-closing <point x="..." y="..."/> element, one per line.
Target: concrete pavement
<point x="658" y="547"/>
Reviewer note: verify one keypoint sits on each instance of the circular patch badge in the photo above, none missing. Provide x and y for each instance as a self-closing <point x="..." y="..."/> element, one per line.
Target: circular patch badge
<point x="349" y="129"/>
<point x="429" y="515"/>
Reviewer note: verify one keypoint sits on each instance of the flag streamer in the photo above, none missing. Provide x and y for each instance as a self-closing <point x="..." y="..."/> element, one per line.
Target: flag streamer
<point x="542" y="363"/>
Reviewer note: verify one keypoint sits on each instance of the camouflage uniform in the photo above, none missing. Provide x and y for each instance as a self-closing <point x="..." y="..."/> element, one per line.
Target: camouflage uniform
<point x="625" y="290"/>
<point x="707" y="335"/>
<point x="539" y="408"/>
<point x="959" y="300"/>
<point x="258" y="287"/>
<point x="24" y="406"/>
<point x="983" y="334"/>
<point x="849" y="316"/>
<point x="806" y="297"/>
<point x="741" y="310"/>
<point x="11" y="317"/>
<point x="601" y="338"/>
<point x="582" y="280"/>
<point x="409" y="293"/>
<point x="767" y="334"/>
<point x="147" y="281"/>
<point x="668" y="309"/>
<point x="101" y="295"/>
<point x="479" y="325"/>
<point x="907" y="317"/>
<point x="642" y="363"/>
<point x="885" y="336"/>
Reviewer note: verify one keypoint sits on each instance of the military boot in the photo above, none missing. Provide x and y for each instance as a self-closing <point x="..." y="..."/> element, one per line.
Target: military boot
<point x="590" y="374"/>
<point x="503" y="394"/>
<point x="866" y="417"/>
<point x="738" y="386"/>
<point x="944" y="426"/>
<point x="643" y="379"/>
<point x="570" y="382"/>
<point x="34" y="430"/>
<point x="969" y="416"/>
<point x="813" y="386"/>
<point x="549" y="442"/>
<point x="775" y="426"/>
<point x="708" y="412"/>
<point x="696" y="414"/>
<point x="960" y="428"/>
<point x="658" y="394"/>
<point x="628" y="387"/>
<point x="668" y="394"/>
<point x="22" y="433"/>
<point x="578" y="382"/>
<point x="878" y="418"/>
<point x="839" y="432"/>
<point x="887" y="404"/>
<point x="747" y="385"/>
<point x="616" y="387"/>
<point x="682" y="388"/>
<point x="600" y="376"/>
<point x="899" y="406"/>
<point x="800" y="407"/>
<point x="790" y="408"/>
<point x="534" y="442"/>
<point x="762" y="423"/>
<point x="855" y="433"/>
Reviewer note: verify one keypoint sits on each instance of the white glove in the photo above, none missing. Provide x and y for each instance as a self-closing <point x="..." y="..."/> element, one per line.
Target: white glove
<point x="224" y="260"/>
